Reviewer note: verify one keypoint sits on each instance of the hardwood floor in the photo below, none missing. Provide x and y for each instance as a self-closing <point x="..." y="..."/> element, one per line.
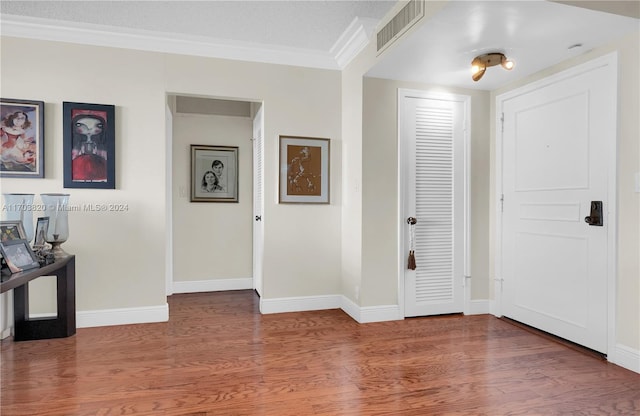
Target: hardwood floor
<point x="218" y="356"/>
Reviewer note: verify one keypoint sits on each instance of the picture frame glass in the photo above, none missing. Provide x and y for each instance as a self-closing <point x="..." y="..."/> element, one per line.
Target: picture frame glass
<point x="18" y="255"/>
<point x="42" y="226"/>
<point x="22" y="137"/>
<point x="304" y="170"/>
<point x="89" y="145"/>
<point x="214" y="173"/>
<point x="12" y="230"/>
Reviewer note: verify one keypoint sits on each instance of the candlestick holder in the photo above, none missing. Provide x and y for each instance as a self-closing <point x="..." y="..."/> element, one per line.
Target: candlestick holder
<point x="56" y="207"/>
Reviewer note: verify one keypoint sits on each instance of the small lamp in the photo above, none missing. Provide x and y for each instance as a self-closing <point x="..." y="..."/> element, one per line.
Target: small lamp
<point x="480" y="64"/>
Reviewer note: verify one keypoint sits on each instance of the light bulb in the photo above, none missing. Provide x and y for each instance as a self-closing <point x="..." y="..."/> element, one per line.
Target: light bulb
<point x="507" y="64"/>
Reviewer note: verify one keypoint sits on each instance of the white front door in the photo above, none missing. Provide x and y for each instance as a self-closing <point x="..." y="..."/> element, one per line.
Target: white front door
<point x="557" y="139"/>
<point x="258" y="204"/>
<point x="433" y="171"/>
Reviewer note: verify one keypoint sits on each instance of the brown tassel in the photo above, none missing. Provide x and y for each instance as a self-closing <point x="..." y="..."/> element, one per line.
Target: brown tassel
<point x="412" y="261"/>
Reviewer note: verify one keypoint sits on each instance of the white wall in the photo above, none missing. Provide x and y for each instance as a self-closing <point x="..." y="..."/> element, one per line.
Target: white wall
<point x="211" y="240"/>
<point x="119" y="255"/>
<point x="120" y="266"/>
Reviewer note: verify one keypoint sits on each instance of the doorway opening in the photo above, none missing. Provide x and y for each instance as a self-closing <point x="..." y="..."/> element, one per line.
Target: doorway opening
<point x="211" y="245"/>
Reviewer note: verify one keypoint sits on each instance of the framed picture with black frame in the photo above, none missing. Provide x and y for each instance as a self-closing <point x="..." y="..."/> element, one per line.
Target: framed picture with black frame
<point x="89" y="148"/>
<point x="22" y="136"/>
<point x="18" y="255"/>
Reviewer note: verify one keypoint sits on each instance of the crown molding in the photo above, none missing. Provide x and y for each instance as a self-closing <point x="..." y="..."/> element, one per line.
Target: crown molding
<point x="346" y="48"/>
<point x="118" y="37"/>
<point x="352" y="41"/>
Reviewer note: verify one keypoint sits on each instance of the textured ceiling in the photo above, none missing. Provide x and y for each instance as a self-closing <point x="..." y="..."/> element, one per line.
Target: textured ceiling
<point x="314" y="25"/>
<point x="536" y="34"/>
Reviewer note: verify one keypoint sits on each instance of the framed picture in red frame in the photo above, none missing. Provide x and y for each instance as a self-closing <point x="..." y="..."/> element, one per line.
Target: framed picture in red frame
<point x="89" y="145"/>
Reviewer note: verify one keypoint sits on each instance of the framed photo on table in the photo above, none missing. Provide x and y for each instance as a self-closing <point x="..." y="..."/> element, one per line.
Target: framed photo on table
<point x="42" y="226"/>
<point x="12" y="230"/>
<point x="214" y="173"/>
<point x="89" y="145"/>
<point x="18" y="255"/>
<point x="22" y="137"/>
<point x="304" y="170"/>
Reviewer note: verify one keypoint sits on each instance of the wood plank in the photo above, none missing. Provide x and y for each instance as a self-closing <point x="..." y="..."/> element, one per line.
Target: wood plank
<point x="218" y="356"/>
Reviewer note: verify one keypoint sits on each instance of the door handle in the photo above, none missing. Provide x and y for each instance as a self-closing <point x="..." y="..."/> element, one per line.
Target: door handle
<point x="595" y="217"/>
<point x="412" y="220"/>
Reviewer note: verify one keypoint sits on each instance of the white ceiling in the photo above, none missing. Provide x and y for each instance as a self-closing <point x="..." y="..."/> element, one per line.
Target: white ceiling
<point x="535" y="34"/>
<point x="314" y="25"/>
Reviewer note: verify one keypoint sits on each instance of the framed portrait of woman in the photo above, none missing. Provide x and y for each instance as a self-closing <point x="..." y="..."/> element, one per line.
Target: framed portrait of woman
<point x="22" y="137"/>
<point x="214" y="173"/>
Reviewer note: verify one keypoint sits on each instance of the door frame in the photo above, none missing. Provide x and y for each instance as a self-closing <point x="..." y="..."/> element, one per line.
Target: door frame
<point x="611" y="62"/>
<point x="258" y="241"/>
<point x="404" y="93"/>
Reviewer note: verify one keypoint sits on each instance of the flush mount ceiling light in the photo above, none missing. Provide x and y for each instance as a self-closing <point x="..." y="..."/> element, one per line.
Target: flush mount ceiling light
<point x="482" y="62"/>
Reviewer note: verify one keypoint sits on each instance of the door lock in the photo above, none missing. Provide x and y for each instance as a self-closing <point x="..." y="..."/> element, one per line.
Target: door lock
<point x="595" y="217"/>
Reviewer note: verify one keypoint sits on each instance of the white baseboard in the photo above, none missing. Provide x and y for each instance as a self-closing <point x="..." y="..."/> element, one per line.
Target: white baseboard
<point x="6" y="333"/>
<point x="494" y="308"/>
<point x="213" y="285"/>
<point x="380" y="313"/>
<point x="313" y="303"/>
<point x="350" y="308"/>
<point x="626" y="357"/>
<point x="108" y="317"/>
<point x="479" y="307"/>
<point x="299" y="304"/>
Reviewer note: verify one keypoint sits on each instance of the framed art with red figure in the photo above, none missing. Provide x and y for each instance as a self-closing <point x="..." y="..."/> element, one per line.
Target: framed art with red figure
<point x="89" y="145"/>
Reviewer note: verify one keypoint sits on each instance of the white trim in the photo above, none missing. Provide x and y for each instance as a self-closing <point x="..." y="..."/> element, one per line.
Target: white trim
<point x="380" y="313"/>
<point x="168" y="248"/>
<point x="6" y="333"/>
<point x="146" y="40"/>
<point x="351" y="308"/>
<point x="611" y="62"/>
<point x="125" y="316"/>
<point x="352" y="41"/>
<point x="213" y="285"/>
<point x="368" y="314"/>
<point x="359" y="314"/>
<point x="479" y="307"/>
<point x="404" y="93"/>
<point x="494" y="308"/>
<point x="300" y="304"/>
<point x="626" y="357"/>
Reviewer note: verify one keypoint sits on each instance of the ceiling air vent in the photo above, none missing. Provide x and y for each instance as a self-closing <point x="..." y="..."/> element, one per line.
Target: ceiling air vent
<point x="400" y="23"/>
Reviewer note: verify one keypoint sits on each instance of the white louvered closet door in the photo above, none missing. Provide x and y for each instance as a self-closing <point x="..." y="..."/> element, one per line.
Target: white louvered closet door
<point x="433" y="146"/>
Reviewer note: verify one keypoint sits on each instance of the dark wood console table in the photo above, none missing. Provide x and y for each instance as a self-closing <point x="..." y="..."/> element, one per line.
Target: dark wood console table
<point x="64" y="324"/>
